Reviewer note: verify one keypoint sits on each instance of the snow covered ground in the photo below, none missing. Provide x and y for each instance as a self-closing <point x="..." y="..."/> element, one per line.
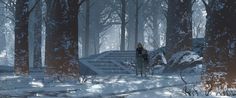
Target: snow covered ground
<point x="110" y="86"/>
<point x="160" y="85"/>
<point x="96" y="87"/>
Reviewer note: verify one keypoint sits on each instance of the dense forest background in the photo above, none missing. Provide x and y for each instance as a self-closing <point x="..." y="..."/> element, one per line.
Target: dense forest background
<point x="102" y="25"/>
<point x="56" y="34"/>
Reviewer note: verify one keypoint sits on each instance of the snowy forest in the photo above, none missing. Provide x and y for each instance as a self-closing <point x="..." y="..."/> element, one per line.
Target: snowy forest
<point x="117" y="48"/>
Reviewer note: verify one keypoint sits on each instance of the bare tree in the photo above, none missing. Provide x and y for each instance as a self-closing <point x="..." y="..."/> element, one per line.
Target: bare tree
<point x="87" y="27"/>
<point x="35" y="33"/>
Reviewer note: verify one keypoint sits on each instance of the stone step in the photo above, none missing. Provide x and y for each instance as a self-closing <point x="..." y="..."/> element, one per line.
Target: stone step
<point x="110" y="68"/>
<point x="107" y="66"/>
<point x="116" y="72"/>
<point x="110" y="62"/>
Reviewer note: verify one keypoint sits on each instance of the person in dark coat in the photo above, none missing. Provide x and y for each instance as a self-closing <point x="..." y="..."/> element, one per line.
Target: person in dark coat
<point x="139" y="59"/>
<point x="145" y="62"/>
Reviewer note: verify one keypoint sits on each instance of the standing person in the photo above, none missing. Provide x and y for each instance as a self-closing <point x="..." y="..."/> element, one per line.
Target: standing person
<point x="139" y="59"/>
<point x="145" y="61"/>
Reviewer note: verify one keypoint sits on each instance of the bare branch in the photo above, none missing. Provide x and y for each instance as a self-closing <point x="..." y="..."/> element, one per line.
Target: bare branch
<point x="166" y="1"/>
<point x="3" y="2"/>
<point x="205" y="4"/>
<point x="193" y="1"/>
<point x="81" y="2"/>
<point x="118" y="13"/>
<point x="12" y="19"/>
<point x="33" y="7"/>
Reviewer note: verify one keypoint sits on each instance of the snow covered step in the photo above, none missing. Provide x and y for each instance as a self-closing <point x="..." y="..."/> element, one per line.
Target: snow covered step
<point x="109" y="62"/>
<point x="5" y="68"/>
<point x="122" y="54"/>
<point x="108" y="67"/>
<point x="116" y="72"/>
<point x="118" y="58"/>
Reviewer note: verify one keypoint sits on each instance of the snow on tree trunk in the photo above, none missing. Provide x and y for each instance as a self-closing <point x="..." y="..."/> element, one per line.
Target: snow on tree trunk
<point x="220" y="38"/>
<point x="61" y="39"/>
<point x="179" y="26"/>
<point x="21" y="37"/>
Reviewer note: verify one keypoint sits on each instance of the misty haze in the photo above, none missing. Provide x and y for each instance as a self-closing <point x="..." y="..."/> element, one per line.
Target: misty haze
<point x="117" y="48"/>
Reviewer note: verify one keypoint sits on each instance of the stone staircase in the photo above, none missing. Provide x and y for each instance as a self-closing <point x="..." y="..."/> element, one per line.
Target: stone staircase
<point x="110" y="62"/>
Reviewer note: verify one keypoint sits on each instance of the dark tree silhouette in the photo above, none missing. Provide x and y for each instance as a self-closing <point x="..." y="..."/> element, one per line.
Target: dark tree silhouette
<point x="123" y="24"/>
<point x="220" y="50"/>
<point x="61" y="40"/>
<point x="21" y="37"/>
<point x="179" y="26"/>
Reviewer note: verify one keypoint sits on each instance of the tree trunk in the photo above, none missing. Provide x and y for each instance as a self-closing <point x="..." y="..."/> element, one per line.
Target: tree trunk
<point x="73" y="15"/>
<point x="37" y="61"/>
<point x="156" y="34"/>
<point x="136" y="22"/>
<point x="141" y="21"/>
<point x="87" y="27"/>
<point x="131" y="25"/>
<point x="21" y="37"/>
<point x="179" y="26"/>
<point x="220" y="38"/>
<point x="62" y="40"/>
<point x="97" y="27"/>
<point x="3" y="42"/>
<point x="123" y="23"/>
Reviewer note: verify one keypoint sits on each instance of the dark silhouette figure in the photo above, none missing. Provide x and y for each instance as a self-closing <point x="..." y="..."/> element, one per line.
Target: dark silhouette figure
<point x="145" y="64"/>
<point x="142" y="60"/>
<point x="139" y="59"/>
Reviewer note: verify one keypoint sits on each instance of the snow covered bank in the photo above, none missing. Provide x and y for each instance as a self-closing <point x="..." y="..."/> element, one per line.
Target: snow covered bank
<point x="183" y="60"/>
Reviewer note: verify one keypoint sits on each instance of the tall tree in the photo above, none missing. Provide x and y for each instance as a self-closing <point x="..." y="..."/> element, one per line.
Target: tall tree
<point x="21" y="37"/>
<point x="137" y="7"/>
<point x="98" y="23"/>
<point x="179" y="26"/>
<point x="73" y="21"/>
<point x="3" y="42"/>
<point x="9" y="18"/>
<point x="35" y="29"/>
<point x="123" y="24"/>
<point x="61" y="39"/>
<point x="220" y="50"/>
<point x="155" y="18"/>
<point x="131" y="25"/>
<point x="140" y="20"/>
<point x="87" y="27"/>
